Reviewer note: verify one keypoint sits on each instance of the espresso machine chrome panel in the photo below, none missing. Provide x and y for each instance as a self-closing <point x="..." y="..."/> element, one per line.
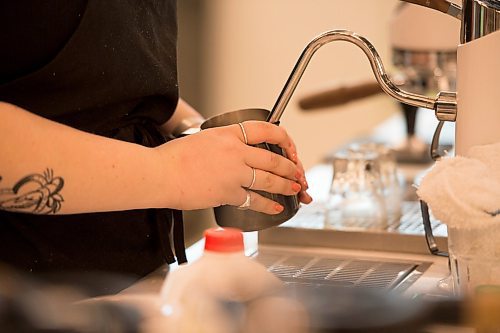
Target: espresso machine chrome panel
<point x="425" y="72"/>
<point x="480" y="18"/>
<point x="478" y="70"/>
<point x="424" y="55"/>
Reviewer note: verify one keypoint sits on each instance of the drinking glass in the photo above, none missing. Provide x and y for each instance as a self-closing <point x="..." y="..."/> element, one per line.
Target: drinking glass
<point x="391" y="180"/>
<point x="356" y="197"/>
<point x="474" y="258"/>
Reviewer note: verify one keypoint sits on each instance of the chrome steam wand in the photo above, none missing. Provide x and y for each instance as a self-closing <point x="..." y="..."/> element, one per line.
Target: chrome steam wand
<point x="444" y="103"/>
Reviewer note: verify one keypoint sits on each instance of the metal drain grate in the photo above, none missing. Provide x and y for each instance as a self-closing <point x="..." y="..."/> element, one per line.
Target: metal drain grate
<point x="337" y="271"/>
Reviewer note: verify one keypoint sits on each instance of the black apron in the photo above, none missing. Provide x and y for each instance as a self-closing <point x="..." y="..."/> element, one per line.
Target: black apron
<point x="115" y="77"/>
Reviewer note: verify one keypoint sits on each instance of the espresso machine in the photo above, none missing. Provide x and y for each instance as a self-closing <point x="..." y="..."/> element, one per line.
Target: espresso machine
<point x="424" y="60"/>
<point x="473" y="107"/>
<point x="284" y="252"/>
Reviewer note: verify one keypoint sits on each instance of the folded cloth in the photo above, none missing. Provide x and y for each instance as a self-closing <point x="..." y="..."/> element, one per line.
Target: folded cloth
<point x="464" y="192"/>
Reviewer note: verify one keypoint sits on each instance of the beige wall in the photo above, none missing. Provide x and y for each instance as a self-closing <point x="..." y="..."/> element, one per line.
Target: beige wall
<point x="236" y="54"/>
<point x="251" y="47"/>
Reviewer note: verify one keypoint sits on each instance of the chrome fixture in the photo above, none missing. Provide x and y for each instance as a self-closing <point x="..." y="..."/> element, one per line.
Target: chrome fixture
<point x="479" y="17"/>
<point x="444" y="103"/>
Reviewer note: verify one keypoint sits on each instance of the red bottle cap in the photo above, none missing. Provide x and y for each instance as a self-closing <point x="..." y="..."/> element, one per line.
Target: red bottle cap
<point x="224" y="240"/>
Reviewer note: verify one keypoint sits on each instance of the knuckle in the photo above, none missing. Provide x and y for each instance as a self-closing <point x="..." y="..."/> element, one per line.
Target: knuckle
<point x="282" y="131"/>
<point x="282" y="134"/>
<point x="270" y="129"/>
<point x="260" y="126"/>
<point x="291" y="168"/>
<point x="288" y="187"/>
<point x="274" y="161"/>
<point x="268" y="181"/>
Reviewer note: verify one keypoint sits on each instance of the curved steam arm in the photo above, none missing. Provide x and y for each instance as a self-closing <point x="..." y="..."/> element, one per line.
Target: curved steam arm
<point x="444" y="103"/>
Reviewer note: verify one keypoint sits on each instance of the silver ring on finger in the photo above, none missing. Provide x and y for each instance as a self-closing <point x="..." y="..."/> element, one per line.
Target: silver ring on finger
<point x="253" y="179"/>
<point x="244" y="133"/>
<point x="246" y="204"/>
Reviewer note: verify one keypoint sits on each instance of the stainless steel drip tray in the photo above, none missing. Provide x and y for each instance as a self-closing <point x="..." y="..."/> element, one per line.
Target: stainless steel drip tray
<point x="392" y="256"/>
<point x="340" y="271"/>
<point x="320" y="267"/>
<point x="309" y="228"/>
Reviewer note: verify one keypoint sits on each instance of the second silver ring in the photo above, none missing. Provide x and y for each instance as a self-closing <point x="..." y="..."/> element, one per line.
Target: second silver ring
<point x="252" y="183"/>
<point x="245" y="138"/>
<point x="246" y="204"/>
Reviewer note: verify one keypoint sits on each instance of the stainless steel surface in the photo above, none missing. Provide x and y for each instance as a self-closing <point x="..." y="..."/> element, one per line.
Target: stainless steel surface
<point x="313" y="269"/>
<point x="480" y="18"/>
<point x="331" y="249"/>
<point x="447" y="110"/>
<point x="443" y="6"/>
<point x="454" y="11"/>
<point x="307" y="229"/>
<point x="386" y="84"/>
<point x="435" y="152"/>
<point x="249" y="220"/>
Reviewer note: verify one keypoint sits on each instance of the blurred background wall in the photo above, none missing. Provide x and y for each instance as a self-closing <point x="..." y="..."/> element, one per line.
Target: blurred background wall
<point x="238" y="54"/>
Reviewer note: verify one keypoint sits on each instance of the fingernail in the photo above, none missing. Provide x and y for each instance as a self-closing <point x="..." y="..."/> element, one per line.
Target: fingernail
<point x="279" y="208"/>
<point x="298" y="175"/>
<point x="305" y="198"/>
<point x="306" y="185"/>
<point x="293" y="157"/>
<point x="296" y="187"/>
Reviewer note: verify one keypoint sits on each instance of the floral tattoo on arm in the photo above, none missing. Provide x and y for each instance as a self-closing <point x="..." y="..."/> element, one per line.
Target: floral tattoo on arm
<point x="35" y="193"/>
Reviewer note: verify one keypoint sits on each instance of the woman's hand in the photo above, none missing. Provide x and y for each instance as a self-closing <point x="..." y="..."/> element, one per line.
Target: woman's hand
<point x="214" y="167"/>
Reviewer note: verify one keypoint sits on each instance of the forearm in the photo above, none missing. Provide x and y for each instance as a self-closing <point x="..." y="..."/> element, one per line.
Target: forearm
<point x="90" y="173"/>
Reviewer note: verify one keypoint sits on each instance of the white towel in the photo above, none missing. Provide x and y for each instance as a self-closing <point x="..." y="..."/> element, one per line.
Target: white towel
<point x="464" y="192"/>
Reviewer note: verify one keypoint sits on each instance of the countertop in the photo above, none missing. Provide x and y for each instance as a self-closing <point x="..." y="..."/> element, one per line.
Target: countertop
<point x="144" y="294"/>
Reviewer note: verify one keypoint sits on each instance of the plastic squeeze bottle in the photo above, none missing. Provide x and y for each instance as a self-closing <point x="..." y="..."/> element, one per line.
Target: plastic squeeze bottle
<point x="194" y="296"/>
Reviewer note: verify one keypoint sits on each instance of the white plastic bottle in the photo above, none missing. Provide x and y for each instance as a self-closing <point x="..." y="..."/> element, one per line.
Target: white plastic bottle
<point x="193" y="296"/>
